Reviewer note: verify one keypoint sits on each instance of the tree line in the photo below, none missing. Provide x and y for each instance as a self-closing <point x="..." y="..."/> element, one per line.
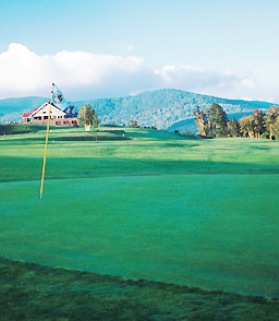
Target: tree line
<point x="88" y="118"/>
<point x="213" y="122"/>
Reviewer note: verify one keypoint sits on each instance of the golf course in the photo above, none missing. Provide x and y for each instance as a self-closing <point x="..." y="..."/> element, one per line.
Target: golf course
<point x="144" y="204"/>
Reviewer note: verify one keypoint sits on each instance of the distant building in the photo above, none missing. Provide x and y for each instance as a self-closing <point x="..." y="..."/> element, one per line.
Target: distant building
<point x="63" y="115"/>
<point x="58" y="117"/>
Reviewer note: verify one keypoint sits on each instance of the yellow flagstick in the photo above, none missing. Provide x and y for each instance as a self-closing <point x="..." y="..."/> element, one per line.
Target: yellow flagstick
<point x="45" y="154"/>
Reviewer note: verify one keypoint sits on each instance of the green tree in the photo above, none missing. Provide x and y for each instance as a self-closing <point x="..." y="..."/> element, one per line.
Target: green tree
<point x="233" y="128"/>
<point x="259" y="123"/>
<point x="133" y="124"/>
<point x="271" y="118"/>
<point x="201" y="121"/>
<point x="247" y="126"/>
<point x="217" y="121"/>
<point x="88" y="117"/>
<point x="275" y="129"/>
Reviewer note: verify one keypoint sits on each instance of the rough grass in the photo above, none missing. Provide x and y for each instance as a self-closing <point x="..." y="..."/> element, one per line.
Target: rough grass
<point x="33" y="292"/>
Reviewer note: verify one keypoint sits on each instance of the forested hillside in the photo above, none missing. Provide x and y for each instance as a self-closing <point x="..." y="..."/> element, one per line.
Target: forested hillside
<point x="167" y="108"/>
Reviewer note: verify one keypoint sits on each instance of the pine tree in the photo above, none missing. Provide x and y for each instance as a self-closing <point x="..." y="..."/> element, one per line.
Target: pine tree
<point x="217" y="121"/>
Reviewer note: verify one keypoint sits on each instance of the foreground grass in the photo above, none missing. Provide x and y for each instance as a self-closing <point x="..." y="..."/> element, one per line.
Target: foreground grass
<point x="154" y="206"/>
<point x="217" y="232"/>
<point x="33" y="292"/>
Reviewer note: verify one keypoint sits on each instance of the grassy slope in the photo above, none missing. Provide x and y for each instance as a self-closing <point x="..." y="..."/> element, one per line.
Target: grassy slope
<point x="230" y="246"/>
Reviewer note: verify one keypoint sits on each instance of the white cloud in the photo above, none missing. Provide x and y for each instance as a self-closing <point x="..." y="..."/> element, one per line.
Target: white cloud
<point x="25" y="73"/>
<point x="225" y="84"/>
<point x="198" y="80"/>
<point x="83" y="75"/>
<point x="21" y="69"/>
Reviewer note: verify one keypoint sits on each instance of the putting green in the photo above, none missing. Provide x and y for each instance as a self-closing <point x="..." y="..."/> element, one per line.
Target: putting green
<point x="212" y="231"/>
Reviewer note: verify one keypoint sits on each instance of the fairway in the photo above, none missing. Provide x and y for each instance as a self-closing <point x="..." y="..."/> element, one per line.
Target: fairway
<point x="189" y="212"/>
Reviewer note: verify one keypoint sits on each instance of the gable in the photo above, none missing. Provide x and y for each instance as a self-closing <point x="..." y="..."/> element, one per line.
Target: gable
<point x="43" y="111"/>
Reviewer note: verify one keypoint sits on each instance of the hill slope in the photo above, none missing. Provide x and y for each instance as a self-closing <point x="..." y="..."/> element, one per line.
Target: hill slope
<point x="11" y="109"/>
<point x="165" y="108"/>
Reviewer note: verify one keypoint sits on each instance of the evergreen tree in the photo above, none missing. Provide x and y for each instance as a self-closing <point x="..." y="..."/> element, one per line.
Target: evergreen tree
<point x="217" y="121"/>
<point x="259" y="123"/>
<point x="234" y="128"/>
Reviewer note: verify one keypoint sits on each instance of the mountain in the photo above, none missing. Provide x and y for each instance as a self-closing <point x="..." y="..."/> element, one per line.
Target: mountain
<point x="167" y="108"/>
<point x="11" y="109"/>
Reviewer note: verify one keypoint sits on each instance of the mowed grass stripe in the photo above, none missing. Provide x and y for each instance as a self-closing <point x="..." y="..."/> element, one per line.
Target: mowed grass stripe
<point x="213" y="231"/>
<point x="21" y="161"/>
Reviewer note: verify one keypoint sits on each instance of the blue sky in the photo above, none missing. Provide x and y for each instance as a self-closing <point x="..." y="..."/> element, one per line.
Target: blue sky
<point x="107" y="48"/>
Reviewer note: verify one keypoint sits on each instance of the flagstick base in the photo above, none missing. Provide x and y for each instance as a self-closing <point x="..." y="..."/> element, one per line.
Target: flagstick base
<point x="41" y="195"/>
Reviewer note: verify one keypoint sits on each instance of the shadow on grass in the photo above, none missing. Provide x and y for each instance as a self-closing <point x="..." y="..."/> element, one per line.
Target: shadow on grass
<point x="35" y="292"/>
<point x="24" y="140"/>
<point x="92" y="138"/>
<point x="157" y="135"/>
<point x="29" y="168"/>
<point x="20" y="129"/>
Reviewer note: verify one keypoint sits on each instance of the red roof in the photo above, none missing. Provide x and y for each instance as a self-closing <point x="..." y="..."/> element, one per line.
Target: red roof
<point x="27" y="114"/>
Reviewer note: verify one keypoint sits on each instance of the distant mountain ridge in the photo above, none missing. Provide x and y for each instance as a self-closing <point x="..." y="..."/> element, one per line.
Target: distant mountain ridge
<point x="163" y="108"/>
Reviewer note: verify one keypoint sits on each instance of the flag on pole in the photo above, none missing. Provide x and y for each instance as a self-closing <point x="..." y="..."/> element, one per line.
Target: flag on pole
<point x="56" y="95"/>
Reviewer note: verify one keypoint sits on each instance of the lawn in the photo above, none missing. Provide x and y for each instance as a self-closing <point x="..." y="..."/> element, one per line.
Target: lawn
<point x="155" y="206"/>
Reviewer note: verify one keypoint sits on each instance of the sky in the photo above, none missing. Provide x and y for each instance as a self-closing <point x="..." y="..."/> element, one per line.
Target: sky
<point x="111" y="48"/>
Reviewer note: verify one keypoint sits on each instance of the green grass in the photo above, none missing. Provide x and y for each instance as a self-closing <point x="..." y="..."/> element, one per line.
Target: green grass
<point x="21" y="155"/>
<point x="158" y="206"/>
<point x="33" y="292"/>
<point x="19" y="128"/>
<point x="177" y="229"/>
